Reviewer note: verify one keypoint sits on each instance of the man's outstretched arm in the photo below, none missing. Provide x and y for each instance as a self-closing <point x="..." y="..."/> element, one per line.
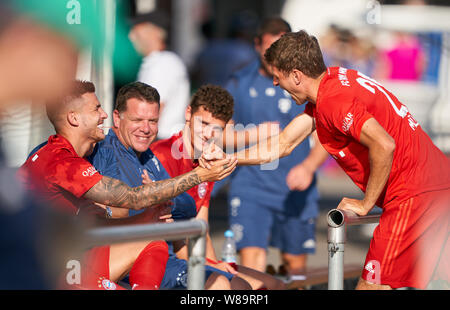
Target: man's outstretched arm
<point x="278" y="146"/>
<point x="112" y="192"/>
<point x="234" y="138"/>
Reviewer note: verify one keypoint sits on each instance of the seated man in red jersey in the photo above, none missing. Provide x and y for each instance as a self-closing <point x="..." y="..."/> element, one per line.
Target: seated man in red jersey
<point x="210" y="109"/>
<point x="59" y="173"/>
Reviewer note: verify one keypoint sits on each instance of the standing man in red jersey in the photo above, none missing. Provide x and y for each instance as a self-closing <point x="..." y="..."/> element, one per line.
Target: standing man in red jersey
<point x="60" y="173"/>
<point x="381" y="147"/>
<point x="207" y="115"/>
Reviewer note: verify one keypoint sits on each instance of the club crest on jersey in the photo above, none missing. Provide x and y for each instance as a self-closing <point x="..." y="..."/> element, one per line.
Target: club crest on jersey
<point x="106" y="284"/>
<point x="202" y="189"/>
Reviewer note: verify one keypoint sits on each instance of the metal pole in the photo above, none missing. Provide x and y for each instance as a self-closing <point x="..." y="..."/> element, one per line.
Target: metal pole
<point x="127" y="233"/>
<point x="196" y="266"/>
<point x="337" y="225"/>
<point x="336" y="243"/>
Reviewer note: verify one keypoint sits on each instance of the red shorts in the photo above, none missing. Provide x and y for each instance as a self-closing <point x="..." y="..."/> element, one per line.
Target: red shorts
<point x="94" y="271"/>
<point x="410" y="246"/>
<point x="95" y="264"/>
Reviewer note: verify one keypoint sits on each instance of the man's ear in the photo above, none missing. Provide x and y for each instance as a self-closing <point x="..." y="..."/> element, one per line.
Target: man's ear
<point x="297" y="76"/>
<point x="188" y="114"/>
<point x="116" y="118"/>
<point x="73" y="118"/>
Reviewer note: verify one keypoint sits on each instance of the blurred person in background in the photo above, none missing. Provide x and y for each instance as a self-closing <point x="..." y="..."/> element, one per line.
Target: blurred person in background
<point x="221" y="57"/>
<point x="162" y="69"/>
<point x="344" y="48"/>
<point x="36" y="63"/>
<point x="404" y="60"/>
<point x="279" y="207"/>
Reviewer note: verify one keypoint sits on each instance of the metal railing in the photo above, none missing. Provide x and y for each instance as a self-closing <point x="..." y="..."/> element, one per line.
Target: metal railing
<point x="193" y="229"/>
<point x="338" y="220"/>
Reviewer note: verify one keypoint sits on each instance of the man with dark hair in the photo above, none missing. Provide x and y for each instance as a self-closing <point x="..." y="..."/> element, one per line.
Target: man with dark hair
<point x="59" y="172"/>
<point x="276" y="207"/>
<point x="211" y="108"/>
<point x="137" y="90"/>
<point x="307" y="57"/>
<point x="377" y="142"/>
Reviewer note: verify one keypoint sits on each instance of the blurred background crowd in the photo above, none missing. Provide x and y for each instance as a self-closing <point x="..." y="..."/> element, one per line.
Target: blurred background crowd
<point x="402" y="43"/>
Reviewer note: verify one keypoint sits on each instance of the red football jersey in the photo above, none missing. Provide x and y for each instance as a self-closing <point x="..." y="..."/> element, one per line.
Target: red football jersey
<point x="172" y="154"/>
<point x="59" y="174"/>
<point x="346" y="99"/>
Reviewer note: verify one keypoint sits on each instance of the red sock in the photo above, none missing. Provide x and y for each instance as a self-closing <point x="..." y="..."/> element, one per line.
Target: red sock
<point x="148" y="269"/>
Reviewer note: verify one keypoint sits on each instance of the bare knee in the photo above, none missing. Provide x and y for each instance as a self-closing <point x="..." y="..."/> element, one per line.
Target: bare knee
<point x="259" y="280"/>
<point x="217" y="281"/>
<point x="364" y="285"/>
<point x="294" y="263"/>
<point x="253" y="257"/>
<point x="237" y="283"/>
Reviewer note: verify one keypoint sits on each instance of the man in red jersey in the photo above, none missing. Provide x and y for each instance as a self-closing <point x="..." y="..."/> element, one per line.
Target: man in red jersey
<point x="210" y="109"/>
<point x="59" y="172"/>
<point x="384" y="151"/>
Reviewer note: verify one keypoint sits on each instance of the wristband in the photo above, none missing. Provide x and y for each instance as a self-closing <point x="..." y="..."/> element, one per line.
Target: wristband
<point x="212" y="261"/>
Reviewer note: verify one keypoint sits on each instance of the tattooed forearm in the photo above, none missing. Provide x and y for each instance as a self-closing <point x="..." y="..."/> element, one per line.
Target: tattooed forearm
<point x="113" y="192"/>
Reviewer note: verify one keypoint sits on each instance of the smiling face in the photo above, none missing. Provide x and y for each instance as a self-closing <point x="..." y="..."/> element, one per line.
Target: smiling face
<point x="92" y="117"/>
<point x="137" y="126"/>
<point x="204" y="128"/>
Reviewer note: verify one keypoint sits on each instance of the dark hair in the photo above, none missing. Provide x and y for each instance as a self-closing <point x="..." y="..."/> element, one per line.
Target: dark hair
<point x="215" y="100"/>
<point x="136" y="90"/>
<point x="273" y="25"/>
<point x="297" y="50"/>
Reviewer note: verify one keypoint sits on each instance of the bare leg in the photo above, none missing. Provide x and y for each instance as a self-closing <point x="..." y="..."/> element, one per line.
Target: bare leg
<point x="259" y="279"/>
<point x="294" y="264"/>
<point x="237" y="283"/>
<point x="254" y="258"/>
<point x="217" y="281"/>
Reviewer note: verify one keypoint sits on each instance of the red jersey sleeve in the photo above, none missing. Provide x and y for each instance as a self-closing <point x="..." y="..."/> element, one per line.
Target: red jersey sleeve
<point x="75" y="175"/>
